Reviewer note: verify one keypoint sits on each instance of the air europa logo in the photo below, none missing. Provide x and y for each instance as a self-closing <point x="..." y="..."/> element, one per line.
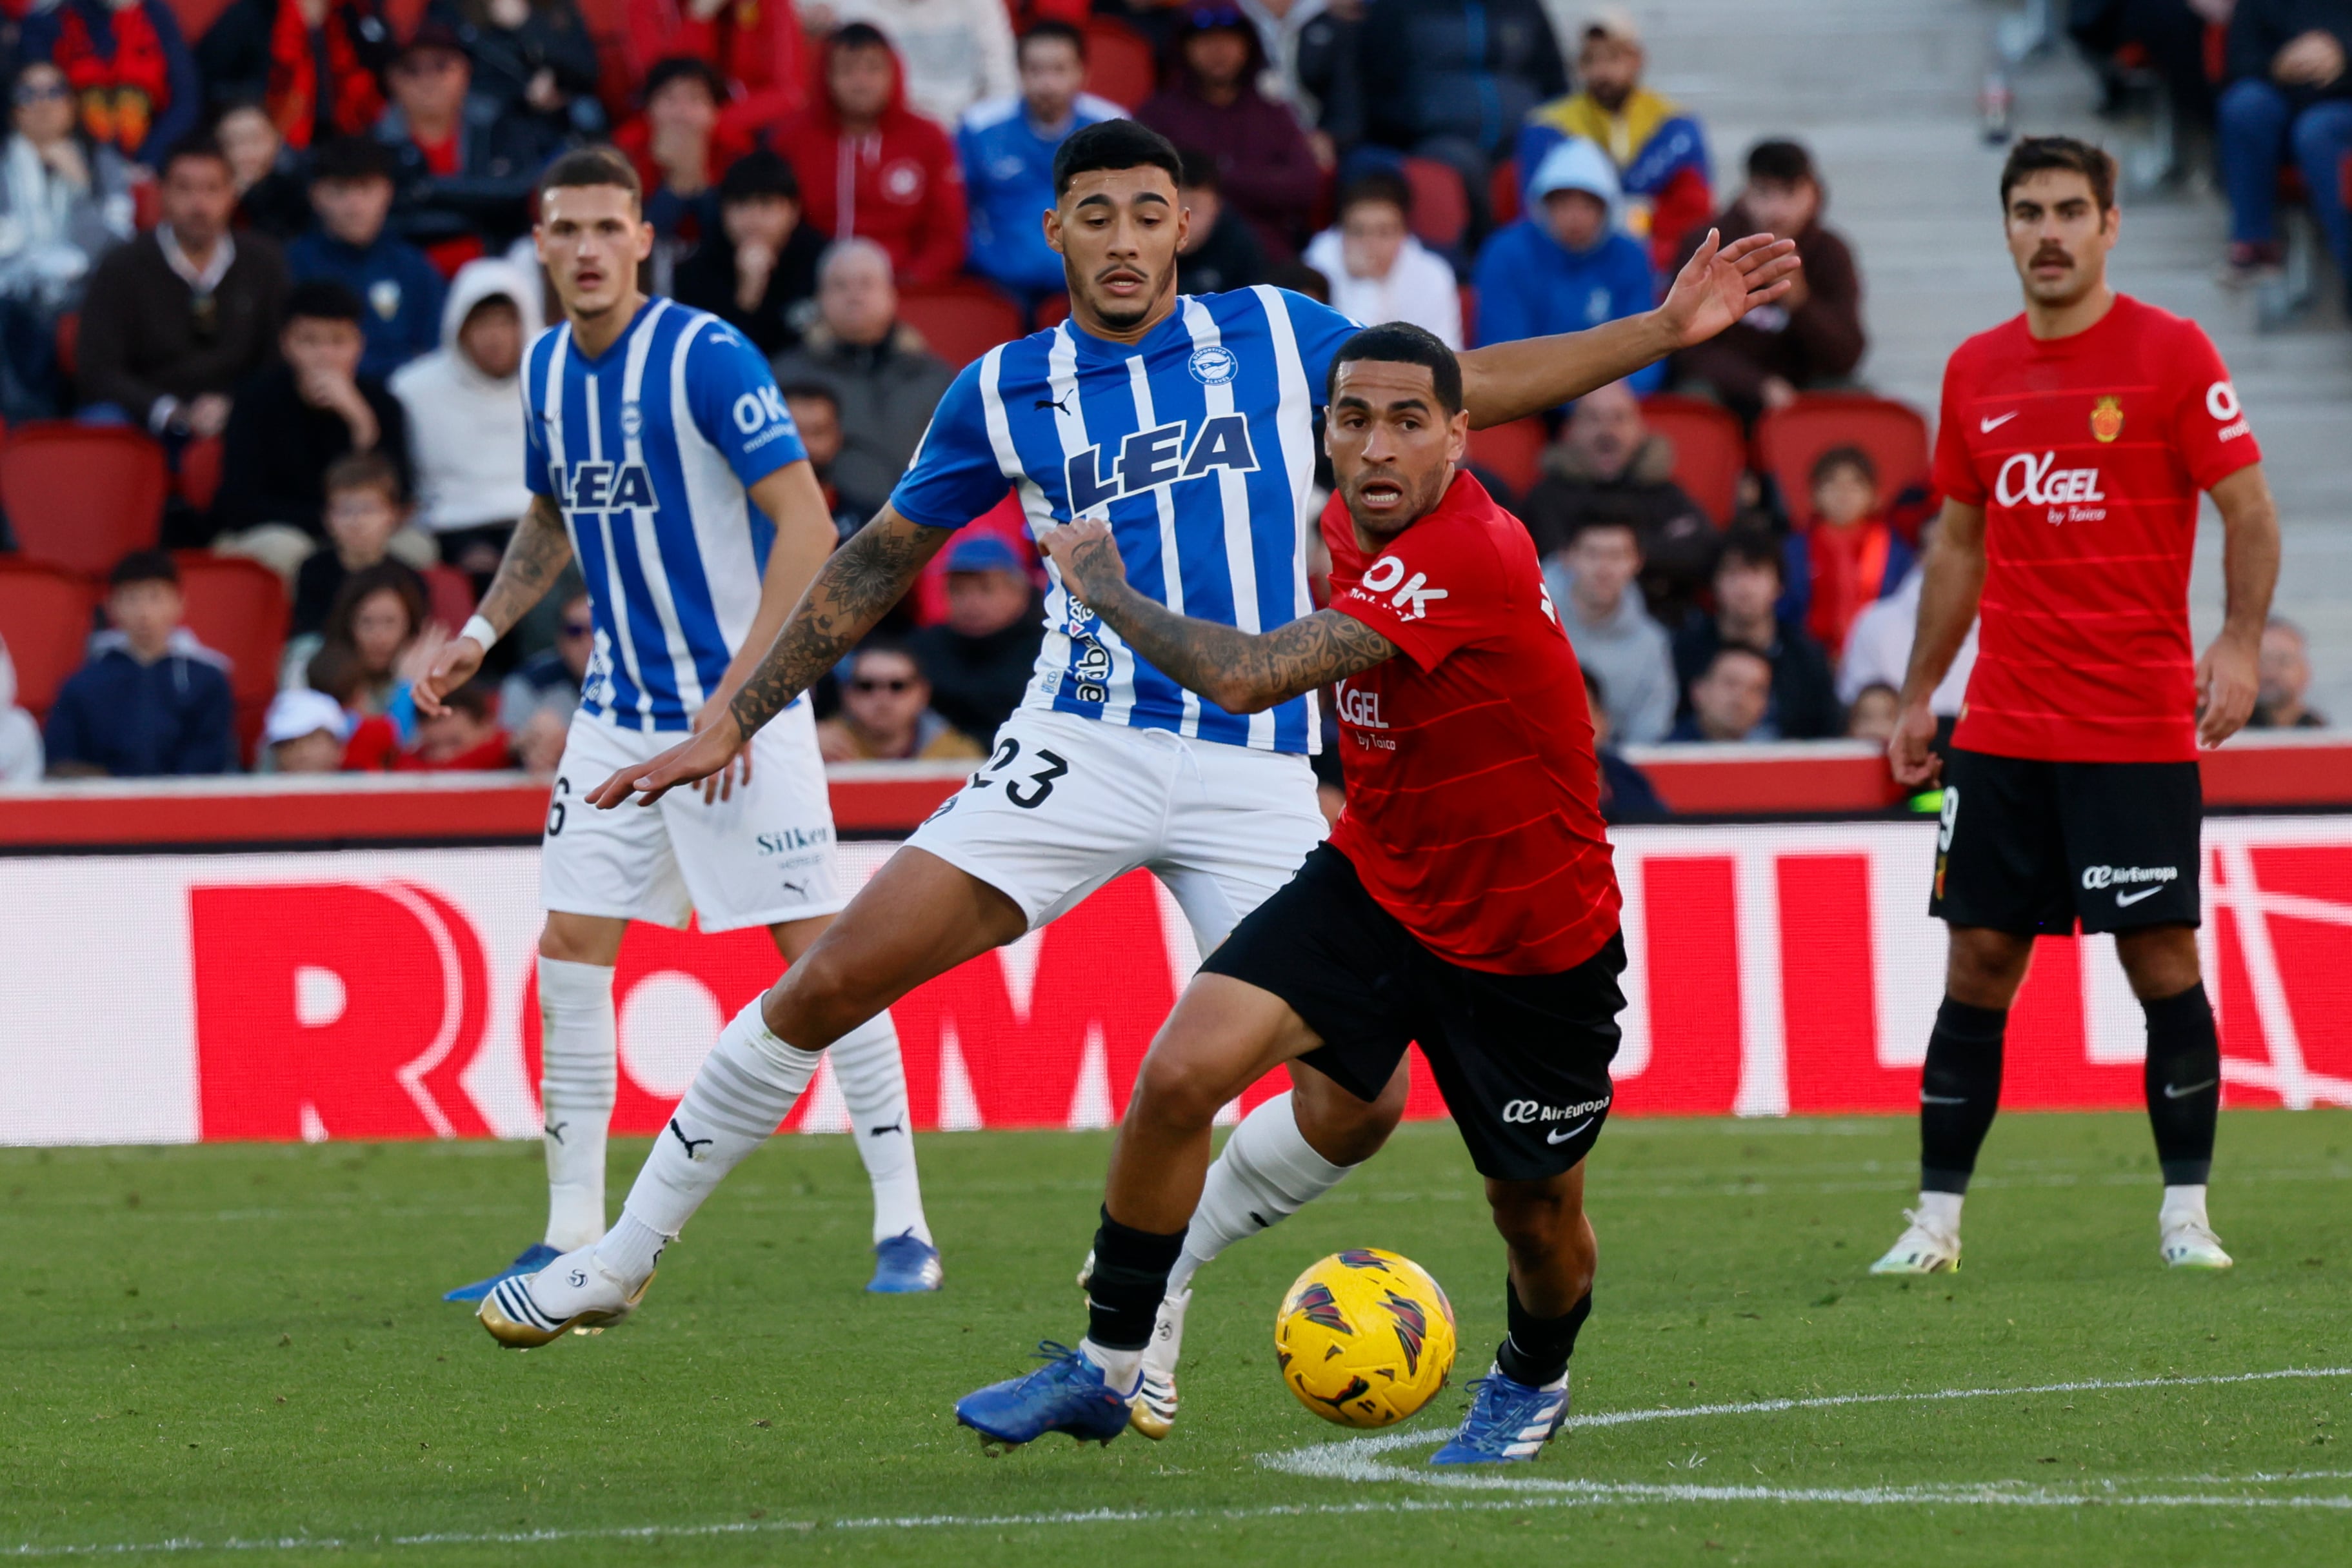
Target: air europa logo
<point x="2027" y="479"/>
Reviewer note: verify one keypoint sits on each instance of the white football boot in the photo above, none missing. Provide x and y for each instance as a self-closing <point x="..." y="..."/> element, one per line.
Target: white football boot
<point x="1151" y="1411"/>
<point x="571" y="1295"/>
<point x="1926" y="1248"/>
<point x="2187" y="1242"/>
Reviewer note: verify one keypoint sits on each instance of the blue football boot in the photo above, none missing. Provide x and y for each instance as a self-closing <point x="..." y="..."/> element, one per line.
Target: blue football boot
<point x="1508" y="1422"/>
<point x="1065" y="1394"/>
<point x="533" y="1259"/>
<point x="904" y="1265"/>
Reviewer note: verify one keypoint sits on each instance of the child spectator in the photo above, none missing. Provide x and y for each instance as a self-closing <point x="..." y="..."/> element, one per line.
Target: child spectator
<point x="1566" y="265"/>
<point x="1607" y="462"/>
<point x="872" y="167"/>
<point x="465" y="414"/>
<point x="1453" y="80"/>
<point x="886" y="712"/>
<point x="271" y="198"/>
<point x="1659" y="152"/>
<point x="979" y="661"/>
<point x="1871" y="716"/>
<point x="464" y="162"/>
<point x="756" y="270"/>
<point x="350" y="190"/>
<point x="1007" y="147"/>
<point x="317" y="66"/>
<point x="2283" y="671"/>
<point x="304" y="733"/>
<point x="65" y="201"/>
<point x="679" y="147"/>
<point x="1221" y="250"/>
<point x="464" y="737"/>
<point x="378" y="641"/>
<point x="294" y="419"/>
<point x="1626" y="793"/>
<point x="20" y="737"/>
<point x="1849" y="556"/>
<point x="1879" y="643"/>
<point x="1265" y="169"/>
<point x="957" y="52"/>
<point x="1802" y="698"/>
<point x="150" y="703"/>
<point x="364" y="511"/>
<point x="1731" y="699"/>
<point x="130" y="72"/>
<point x="531" y="56"/>
<point x="752" y="50"/>
<point x="1591" y="581"/>
<point x="1378" y="270"/>
<point x="536" y="703"/>
<point x="1811" y="335"/>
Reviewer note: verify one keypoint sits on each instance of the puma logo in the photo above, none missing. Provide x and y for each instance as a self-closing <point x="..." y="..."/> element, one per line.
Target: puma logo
<point x="897" y="1126"/>
<point x="692" y="1143"/>
<point x="555" y="1130"/>
<point x="1059" y="404"/>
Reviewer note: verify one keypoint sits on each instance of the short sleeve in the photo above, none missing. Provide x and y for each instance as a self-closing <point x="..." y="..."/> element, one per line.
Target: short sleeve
<point x="732" y="397"/>
<point x="1319" y="331"/>
<point x="955" y="475"/>
<point x="2209" y="429"/>
<point x="534" y="439"/>
<point x="1956" y="471"/>
<point x="1431" y="592"/>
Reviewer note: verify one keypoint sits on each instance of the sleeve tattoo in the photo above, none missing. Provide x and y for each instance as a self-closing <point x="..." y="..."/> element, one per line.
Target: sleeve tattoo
<point x="534" y="559"/>
<point x="1244" y="671"/>
<point x="850" y="592"/>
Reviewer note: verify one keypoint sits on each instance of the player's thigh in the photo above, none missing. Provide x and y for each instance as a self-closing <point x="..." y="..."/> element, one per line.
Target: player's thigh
<point x="765" y="854"/>
<point x="1062" y="806"/>
<point x="1240" y="824"/>
<point x="2133" y="833"/>
<point x="2000" y="855"/>
<point x="1223" y="1036"/>
<point x="617" y="864"/>
<point x="1523" y="1059"/>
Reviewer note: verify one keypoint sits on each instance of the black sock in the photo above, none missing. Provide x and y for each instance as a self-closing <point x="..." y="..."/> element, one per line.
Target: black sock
<point x="2184" y="1085"/>
<point x="1958" y="1093"/>
<point x="1535" y="1351"/>
<point x="1130" y="1276"/>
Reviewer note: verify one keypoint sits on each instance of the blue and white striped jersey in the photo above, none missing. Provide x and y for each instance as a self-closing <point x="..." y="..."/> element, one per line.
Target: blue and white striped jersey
<point x="1196" y="444"/>
<point x="647" y="448"/>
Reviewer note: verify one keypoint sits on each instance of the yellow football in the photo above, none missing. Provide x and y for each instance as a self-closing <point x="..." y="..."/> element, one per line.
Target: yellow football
<point x="1364" y="1338"/>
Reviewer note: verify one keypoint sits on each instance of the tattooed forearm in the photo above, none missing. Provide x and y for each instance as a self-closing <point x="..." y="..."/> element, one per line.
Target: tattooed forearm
<point x="534" y="559"/>
<point x="858" y="583"/>
<point x="1244" y="671"/>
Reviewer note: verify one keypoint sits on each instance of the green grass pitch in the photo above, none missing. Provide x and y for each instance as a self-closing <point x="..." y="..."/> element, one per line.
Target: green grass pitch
<point x="238" y="1351"/>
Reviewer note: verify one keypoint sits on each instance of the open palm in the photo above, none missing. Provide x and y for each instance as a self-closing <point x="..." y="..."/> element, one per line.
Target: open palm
<point x="1721" y="283"/>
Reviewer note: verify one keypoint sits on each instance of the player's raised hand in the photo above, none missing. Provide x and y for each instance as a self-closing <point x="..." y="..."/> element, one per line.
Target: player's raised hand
<point x="698" y="755"/>
<point x="1915" y="766"/>
<point x="2227" y="683"/>
<point x="458" y="662"/>
<point x="1088" y="556"/>
<point x="1721" y="283"/>
<point x="720" y="786"/>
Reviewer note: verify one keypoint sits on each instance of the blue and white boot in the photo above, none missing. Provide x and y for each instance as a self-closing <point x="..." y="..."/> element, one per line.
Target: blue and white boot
<point x="1508" y="1422"/>
<point x="1065" y="1394"/>
<point x="905" y="1265"/>
<point x="530" y="1260"/>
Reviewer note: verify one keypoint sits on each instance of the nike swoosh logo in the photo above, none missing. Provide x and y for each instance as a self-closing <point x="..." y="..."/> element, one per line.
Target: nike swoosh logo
<point x="2125" y="899"/>
<point x="2171" y="1093"/>
<point x="1943" y="1099"/>
<point x="1557" y="1136"/>
<point x="1986" y="426"/>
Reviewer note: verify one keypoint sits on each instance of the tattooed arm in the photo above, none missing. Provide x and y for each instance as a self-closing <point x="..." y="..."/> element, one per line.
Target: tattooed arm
<point x="535" y="557"/>
<point x="1241" y="672"/>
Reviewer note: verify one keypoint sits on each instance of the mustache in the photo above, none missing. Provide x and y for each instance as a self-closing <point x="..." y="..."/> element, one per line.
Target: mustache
<point x="2050" y="252"/>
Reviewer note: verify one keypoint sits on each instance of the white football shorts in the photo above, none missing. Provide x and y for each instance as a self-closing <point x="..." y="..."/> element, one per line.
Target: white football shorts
<point x="765" y="856"/>
<point x="1066" y="804"/>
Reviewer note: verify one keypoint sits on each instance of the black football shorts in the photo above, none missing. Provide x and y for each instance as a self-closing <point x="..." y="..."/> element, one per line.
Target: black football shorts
<point x="1522" y="1060"/>
<point x="2032" y="847"/>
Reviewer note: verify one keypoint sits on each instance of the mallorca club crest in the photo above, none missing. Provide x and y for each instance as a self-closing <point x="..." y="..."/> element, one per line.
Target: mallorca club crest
<point x="2107" y="418"/>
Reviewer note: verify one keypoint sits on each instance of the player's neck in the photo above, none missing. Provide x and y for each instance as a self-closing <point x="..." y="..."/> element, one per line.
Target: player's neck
<point x="595" y="333"/>
<point x="2044" y="322"/>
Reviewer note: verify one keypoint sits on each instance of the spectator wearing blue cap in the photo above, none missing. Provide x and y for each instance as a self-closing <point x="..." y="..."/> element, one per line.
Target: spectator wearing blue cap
<point x="1567" y="265"/>
<point x="979" y="660"/>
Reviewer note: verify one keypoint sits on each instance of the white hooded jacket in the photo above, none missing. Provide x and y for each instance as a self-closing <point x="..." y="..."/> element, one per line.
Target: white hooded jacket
<point x="20" y="737"/>
<point x="466" y="429"/>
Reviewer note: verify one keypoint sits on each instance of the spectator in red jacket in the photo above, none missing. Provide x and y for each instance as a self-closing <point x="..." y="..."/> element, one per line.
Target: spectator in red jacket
<point x="753" y="45"/>
<point x="1265" y="169"/>
<point x="679" y="147"/>
<point x="317" y="66"/>
<point x="1849" y="556"/>
<point x="132" y="75"/>
<point x="872" y="168"/>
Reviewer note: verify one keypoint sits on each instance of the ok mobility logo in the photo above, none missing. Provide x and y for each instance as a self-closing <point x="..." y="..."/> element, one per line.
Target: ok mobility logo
<point x="1161" y="455"/>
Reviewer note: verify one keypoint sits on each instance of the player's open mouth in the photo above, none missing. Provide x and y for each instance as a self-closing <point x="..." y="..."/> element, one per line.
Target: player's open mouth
<point x="1122" y="282"/>
<point x="1379" y="495"/>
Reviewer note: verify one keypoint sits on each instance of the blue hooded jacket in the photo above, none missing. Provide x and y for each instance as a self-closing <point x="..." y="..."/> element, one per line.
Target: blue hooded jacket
<point x="1530" y="286"/>
<point x="1008" y="175"/>
<point x="174" y="716"/>
<point x="399" y="291"/>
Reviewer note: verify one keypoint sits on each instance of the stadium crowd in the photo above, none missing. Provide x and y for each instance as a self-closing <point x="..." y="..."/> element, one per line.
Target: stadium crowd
<point x="286" y="243"/>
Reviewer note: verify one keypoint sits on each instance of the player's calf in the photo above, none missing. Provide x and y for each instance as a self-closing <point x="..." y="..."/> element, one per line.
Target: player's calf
<point x="1520" y="1404"/>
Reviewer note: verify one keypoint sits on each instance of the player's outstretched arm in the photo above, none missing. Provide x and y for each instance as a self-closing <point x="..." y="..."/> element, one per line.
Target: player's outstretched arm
<point x="1719" y="283"/>
<point x="1947" y="606"/>
<point x="1241" y="672"/>
<point x="2227" y="682"/>
<point x="535" y="557"/>
<point x="856" y="584"/>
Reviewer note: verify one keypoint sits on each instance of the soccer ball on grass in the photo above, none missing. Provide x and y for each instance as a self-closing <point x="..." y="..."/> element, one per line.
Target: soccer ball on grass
<point x="1364" y="1338"/>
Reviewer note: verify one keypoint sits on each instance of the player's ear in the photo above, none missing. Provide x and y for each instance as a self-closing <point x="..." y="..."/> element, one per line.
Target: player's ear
<point x="1457" y="436"/>
<point x="645" y="239"/>
<point x="1051" y="218"/>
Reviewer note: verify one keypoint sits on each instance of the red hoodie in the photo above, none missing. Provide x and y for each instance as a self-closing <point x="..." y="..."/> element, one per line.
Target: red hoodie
<point x="901" y="185"/>
<point x="755" y="44"/>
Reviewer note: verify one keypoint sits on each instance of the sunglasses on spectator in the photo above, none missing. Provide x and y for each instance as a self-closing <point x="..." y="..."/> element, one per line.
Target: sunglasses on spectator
<point x="896" y="683"/>
<point x="41" y="92"/>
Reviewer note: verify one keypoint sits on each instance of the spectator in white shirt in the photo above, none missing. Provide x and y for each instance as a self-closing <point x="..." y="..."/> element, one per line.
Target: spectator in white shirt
<point x="1379" y="272"/>
<point x="954" y="52"/>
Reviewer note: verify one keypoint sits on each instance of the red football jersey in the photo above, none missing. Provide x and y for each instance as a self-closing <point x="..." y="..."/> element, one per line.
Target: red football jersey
<point x="2087" y="454"/>
<point x="1474" y="812"/>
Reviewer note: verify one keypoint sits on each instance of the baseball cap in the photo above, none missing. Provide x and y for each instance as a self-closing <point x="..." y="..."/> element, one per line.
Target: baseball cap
<point x="299" y="711"/>
<point x="1615" y="23"/>
<point x="984" y="552"/>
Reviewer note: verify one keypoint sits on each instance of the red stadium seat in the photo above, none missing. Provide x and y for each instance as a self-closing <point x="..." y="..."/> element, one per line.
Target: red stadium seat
<point x="238" y="608"/>
<point x="1710" y="453"/>
<point x="1053" y="310"/>
<point x="1503" y="192"/>
<point x="1512" y="453"/>
<point x="198" y="480"/>
<point x="1789" y="441"/>
<point x="449" y="595"/>
<point x="960" y="320"/>
<point x="1441" y="207"/>
<point x="196" y="16"/>
<point x="1469" y="296"/>
<point x="1119" y="63"/>
<point x="81" y="497"/>
<point x="44" y="619"/>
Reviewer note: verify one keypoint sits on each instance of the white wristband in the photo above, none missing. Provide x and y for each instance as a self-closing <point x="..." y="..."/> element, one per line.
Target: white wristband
<point x="481" y="631"/>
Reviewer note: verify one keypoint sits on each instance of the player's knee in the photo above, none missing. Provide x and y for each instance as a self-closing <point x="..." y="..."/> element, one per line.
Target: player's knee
<point x="2161" y="961"/>
<point x="1176" y="1093"/>
<point x="580" y="939"/>
<point x="1987" y="966"/>
<point x="1536" y="1219"/>
<point x="1338" y="1126"/>
<point x="819" y="999"/>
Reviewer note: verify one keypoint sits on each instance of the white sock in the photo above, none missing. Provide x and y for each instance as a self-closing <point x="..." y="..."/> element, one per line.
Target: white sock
<point x="1122" y="1370"/>
<point x="873" y="1081"/>
<point x="1941" y="1209"/>
<point x="576" y="1073"/>
<point x="2182" y="1204"/>
<point x="743" y="1089"/>
<point x="1266" y="1172"/>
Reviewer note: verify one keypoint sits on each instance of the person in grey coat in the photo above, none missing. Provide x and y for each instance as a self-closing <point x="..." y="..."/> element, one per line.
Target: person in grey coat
<point x="1591" y="585"/>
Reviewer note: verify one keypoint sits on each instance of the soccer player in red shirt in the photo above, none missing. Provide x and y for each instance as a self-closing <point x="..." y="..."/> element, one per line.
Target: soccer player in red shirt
<point x="2073" y="443"/>
<point x="1465" y="900"/>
